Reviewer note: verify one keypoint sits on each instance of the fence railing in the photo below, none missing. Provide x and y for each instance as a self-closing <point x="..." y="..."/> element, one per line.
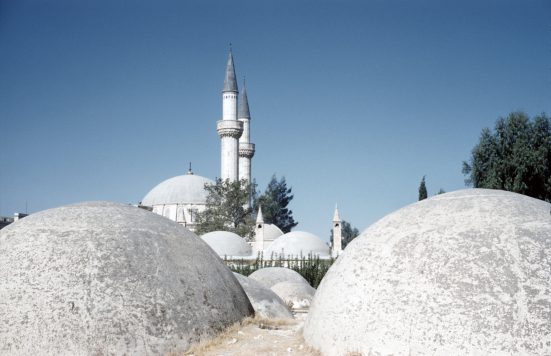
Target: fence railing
<point x="311" y="267"/>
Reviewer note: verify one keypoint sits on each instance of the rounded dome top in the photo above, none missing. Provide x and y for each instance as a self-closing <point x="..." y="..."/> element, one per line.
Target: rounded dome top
<point x="296" y="243"/>
<point x="185" y="189"/>
<point x="270" y="276"/>
<point x="265" y="302"/>
<point x="271" y="232"/>
<point x="110" y="277"/>
<point x="465" y="272"/>
<point x="226" y="243"/>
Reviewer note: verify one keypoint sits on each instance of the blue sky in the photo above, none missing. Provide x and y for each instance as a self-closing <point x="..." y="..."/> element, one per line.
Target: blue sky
<point x="352" y="101"/>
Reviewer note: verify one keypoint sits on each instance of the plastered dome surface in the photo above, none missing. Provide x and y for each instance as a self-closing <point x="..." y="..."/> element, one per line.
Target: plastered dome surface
<point x="462" y="273"/>
<point x="270" y="276"/>
<point x="298" y="295"/>
<point x="104" y="278"/>
<point x="226" y="243"/>
<point x="271" y="232"/>
<point x="188" y="188"/>
<point x="265" y="302"/>
<point x="296" y="243"/>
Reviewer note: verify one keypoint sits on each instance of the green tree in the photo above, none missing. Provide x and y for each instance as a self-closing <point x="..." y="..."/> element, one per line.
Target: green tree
<point x="441" y="191"/>
<point x="516" y="157"/>
<point x="227" y="208"/>
<point x="275" y="201"/>
<point x="422" y="189"/>
<point x="349" y="233"/>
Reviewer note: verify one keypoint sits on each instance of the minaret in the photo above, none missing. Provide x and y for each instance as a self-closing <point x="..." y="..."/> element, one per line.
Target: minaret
<point x="337" y="234"/>
<point x="246" y="148"/>
<point x="229" y="128"/>
<point x="259" y="231"/>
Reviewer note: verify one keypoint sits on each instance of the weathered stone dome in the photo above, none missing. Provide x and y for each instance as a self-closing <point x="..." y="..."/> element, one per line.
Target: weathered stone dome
<point x="265" y="302"/>
<point x="270" y="276"/>
<point x="298" y="295"/>
<point x="226" y="243"/>
<point x="105" y="278"/>
<point x="297" y="243"/>
<point x="468" y="272"/>
<point x="184" y="189"/>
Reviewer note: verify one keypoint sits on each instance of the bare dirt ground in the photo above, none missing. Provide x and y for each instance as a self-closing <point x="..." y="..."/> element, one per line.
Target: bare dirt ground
<point x="256" y="336"/>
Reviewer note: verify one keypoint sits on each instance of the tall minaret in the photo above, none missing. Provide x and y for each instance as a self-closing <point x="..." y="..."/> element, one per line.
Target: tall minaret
<point x="246" y="148"/>
<point x="337" y="234"/>
<point x="229" y="128"/>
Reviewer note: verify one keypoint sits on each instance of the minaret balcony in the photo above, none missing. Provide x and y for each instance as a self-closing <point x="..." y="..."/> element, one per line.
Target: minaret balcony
<point x="229" y="128"/>
<point x="246" y="149"/>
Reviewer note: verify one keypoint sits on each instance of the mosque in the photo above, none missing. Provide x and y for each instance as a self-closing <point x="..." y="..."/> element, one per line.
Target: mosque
<point x="180" y="198"/>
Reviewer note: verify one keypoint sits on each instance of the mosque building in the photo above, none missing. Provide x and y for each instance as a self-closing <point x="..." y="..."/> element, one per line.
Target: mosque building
<point x="180" y="198"/>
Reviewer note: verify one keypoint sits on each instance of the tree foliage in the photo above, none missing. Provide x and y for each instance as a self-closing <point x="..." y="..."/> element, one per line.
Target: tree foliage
<point x="515" y="157"/>
<point x="423" y="189"/>
<point x="274" y="202"/>
<point x="227" y="208"/>
<point x="349" y="233"/>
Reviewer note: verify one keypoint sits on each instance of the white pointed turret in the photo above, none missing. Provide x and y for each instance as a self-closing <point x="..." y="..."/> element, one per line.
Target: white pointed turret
<point x="259" y="231"/>
<point x="229" y="128"/>
<point x="337" y="233"/>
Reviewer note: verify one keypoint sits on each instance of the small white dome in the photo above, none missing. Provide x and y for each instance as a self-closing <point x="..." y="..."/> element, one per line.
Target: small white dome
<point x="271" y="232"/>
<point x="270" y="276"/>
<point x="187" y="188"/>
<point x="226" y="243"/>
<point x="296" y="243"/>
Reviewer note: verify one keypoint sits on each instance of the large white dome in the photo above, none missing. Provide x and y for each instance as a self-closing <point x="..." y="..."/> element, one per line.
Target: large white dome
<point x="226" y="243"/>
<point x="296" y="243"/>
<point x="462" y="273"/>
<point x="185" y="189"/>
<point x="105" y="278"/>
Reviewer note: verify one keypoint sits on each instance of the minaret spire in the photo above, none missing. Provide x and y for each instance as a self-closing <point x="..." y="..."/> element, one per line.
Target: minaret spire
<point x="230" y="82"/>
<point x="229" y="128"/>
<point x="246" y="148"/>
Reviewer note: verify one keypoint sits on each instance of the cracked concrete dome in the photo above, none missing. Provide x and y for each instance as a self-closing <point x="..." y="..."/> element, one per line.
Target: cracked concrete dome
<point x="184" y="189"/>
<point x="106" y="278"/>
<point x="270" y="276"/>
<point x="467" y="272"/>
<point x="265" y="302"/>
<point x="226" y="243"/>
<point x="297" y="243"/>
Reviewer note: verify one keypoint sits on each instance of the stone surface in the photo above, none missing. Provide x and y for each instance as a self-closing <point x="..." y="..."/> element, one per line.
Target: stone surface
<point x="228" y="244"/>
<point x="265" y="302"/>
<point x="104" y="278"/>
<point x="298" y="295"/>
<point x="467" y="272"/>
<point x="270" y="276"/>
<point x="297" y="243"/>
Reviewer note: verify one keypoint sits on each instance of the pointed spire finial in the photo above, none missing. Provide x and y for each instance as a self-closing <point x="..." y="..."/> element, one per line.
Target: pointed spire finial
<point x="243" y="111"/>
<point x="230" y="83"/>
<point x="259" y="217"/>
<point x="336" y="216"/>
<point x="189" y="171"/>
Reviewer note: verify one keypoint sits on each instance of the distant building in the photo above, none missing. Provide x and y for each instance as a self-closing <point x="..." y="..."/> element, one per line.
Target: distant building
<point x="6" y="220"/>
<point x="180" y="198"/>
